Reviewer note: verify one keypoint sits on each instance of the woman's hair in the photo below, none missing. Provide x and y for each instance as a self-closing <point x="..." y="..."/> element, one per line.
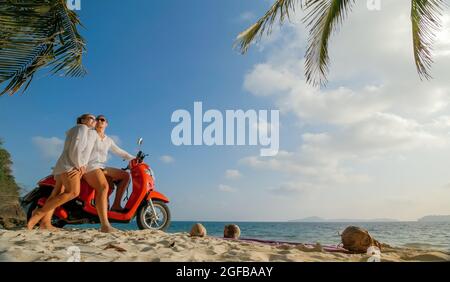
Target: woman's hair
<point x="80" y="118"/>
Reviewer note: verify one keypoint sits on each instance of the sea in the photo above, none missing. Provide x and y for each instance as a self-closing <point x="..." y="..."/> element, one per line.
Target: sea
<point x="422" y="235"/>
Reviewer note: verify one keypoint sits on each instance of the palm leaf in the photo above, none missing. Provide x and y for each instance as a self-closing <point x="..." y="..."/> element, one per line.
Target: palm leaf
<point x="324" y="18"/>
<point x="280" y="10"/>
<point x="425" y="18"/>
<point x="35" y="34"/>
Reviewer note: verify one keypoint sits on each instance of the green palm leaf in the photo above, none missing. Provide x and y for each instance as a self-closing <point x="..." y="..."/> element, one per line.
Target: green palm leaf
<point x="425" y="18"/>
<point x="323" y="18"/>
<point x="35" y="34"/>
<point x="280" y="10"/>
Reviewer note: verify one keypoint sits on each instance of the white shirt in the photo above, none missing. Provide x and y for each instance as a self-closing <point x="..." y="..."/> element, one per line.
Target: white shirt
<point x="99" y="154"/>
<point x="77" y="148"/>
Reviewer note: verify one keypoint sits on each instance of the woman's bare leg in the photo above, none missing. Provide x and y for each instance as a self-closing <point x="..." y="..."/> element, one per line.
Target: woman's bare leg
<point x="124" y="178"/>
<point x="46" y="221"/>
<point x="71" y="182"/>
<point x="97" y="180"/>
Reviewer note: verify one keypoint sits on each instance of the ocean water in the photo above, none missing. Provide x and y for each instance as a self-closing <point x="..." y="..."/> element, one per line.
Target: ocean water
<point x="425" y="235"/>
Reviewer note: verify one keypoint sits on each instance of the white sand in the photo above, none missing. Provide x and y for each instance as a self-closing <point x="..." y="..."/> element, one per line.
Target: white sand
<point x="150" y="245"/>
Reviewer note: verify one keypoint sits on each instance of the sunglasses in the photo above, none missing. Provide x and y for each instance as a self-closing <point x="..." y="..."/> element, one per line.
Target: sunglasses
<point x="101" y="119"/>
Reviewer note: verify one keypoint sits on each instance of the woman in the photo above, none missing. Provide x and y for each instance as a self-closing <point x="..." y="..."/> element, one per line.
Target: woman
<point x="68" y="170"/>
<point x="97" y="171"/>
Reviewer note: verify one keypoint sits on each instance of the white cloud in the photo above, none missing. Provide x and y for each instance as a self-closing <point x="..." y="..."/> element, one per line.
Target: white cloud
<point x="370" y="71"/>
<point x="227" y="189"/>
<point x="321" y="157"/>
<point x="374" y="110"/>
<point x="246" y="16"/>
<point x="265" y="80"/>
<point x="443" y="39"/>
<point x="232" y="174"/>
<point x="50" y="148"/>
<point x="167" y="159"/>
<point x="290" y="189"/>
<point x="312" y="165"/>
<point x="338" y="106"/>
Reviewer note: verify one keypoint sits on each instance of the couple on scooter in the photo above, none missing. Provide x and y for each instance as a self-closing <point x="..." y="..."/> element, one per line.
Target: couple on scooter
<point x="84" y="156"/>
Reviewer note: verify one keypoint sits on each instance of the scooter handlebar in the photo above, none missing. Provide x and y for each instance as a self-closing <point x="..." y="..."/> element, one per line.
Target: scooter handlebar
<point x="130" y="164"/>
<point x="139" y="159"/>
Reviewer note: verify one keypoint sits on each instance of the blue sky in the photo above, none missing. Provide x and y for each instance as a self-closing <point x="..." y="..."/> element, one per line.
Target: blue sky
<point x="357" y="149"/>
<point x="159" y="57"/>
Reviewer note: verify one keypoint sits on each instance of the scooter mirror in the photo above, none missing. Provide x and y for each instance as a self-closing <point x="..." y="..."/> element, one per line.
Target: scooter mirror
<point x="140" y="141"/>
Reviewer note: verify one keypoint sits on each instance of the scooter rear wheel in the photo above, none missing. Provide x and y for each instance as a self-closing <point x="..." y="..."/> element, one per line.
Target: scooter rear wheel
<point x="145" y="218"/>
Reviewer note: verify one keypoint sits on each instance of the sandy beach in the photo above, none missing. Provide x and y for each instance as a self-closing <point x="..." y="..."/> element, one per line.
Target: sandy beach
<point x="157" y="246"/>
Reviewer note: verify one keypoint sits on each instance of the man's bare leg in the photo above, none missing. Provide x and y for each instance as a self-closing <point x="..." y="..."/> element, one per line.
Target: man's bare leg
<point x="124" y="178"/>
<point x="97" y="180"/>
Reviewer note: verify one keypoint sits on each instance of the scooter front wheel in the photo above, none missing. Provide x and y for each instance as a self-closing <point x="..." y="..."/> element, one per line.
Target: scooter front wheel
<point x="147" y="219"/>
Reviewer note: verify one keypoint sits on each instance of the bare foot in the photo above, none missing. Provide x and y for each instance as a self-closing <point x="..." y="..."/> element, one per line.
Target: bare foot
<point x="37" y="215"/>
<point x="108" y="229"/>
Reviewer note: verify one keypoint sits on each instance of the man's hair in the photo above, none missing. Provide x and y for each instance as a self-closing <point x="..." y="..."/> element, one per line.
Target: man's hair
<point x="101" y="116"/>
<point x="80" y="118"/>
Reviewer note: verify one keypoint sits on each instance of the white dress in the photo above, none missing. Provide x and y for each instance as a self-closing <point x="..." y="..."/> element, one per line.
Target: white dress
<point x="78" y="146"/>
<point x="99" y="154"/>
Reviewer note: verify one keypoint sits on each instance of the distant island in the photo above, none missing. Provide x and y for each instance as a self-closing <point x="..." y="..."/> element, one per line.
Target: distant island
<point x="435" y="218"/>
<point x="319" y="219"/>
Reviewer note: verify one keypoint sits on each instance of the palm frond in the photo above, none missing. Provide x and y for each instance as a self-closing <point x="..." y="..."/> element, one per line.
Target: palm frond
<point x="323" y="18"/>
<point x="280" y="10"/>
<point x="425" y="19"/>
<point x="35" y="34"/>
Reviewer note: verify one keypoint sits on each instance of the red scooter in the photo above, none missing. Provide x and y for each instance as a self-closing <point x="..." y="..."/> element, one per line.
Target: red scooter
<point x="147" y="205"/>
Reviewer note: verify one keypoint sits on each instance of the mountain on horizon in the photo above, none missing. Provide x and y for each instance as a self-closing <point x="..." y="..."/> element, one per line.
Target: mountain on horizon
<point x="435" y="218"/>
